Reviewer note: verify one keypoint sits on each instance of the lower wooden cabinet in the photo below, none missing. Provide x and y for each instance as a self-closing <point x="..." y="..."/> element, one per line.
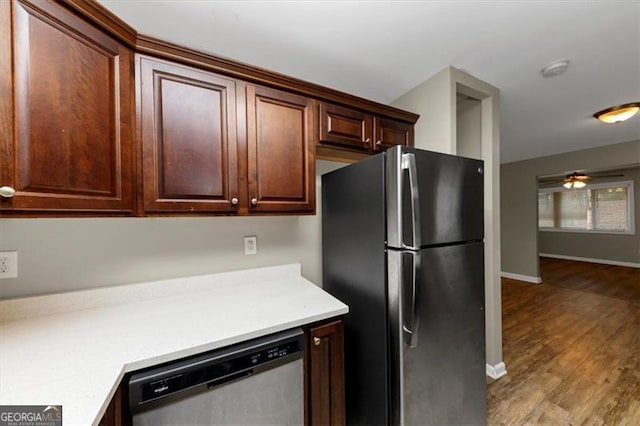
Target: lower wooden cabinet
<point x="117" y="412"/>
<point x="325" y="374"/>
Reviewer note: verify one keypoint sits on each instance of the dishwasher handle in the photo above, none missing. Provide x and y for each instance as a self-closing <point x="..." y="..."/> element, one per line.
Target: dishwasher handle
<point x="229" y="378"/>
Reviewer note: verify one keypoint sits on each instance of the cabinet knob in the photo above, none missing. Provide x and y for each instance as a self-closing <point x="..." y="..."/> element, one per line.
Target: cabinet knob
<point x="367" y="140"/>
<point x="317" y="341"/>
<point x="7" y="191"/>
<point x="378" y="143"/>
<point x="254" y="201"/>
<point x="234" y="201"/>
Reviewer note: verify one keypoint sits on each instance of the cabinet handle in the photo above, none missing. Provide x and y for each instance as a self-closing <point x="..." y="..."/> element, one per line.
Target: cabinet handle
<point x="317" y="341"/>
<point x="7" y="192"/>
<point x="378" y="143"/>
<point x="234" y="201"/>
<point x="367" y="140"/>
<point x="254" y="201"/>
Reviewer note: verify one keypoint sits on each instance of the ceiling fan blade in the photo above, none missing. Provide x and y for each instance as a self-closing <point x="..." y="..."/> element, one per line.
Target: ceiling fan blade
<point x="550" y="183"/>
<point x="575" y="177"/>
<point x="595" y="176"/>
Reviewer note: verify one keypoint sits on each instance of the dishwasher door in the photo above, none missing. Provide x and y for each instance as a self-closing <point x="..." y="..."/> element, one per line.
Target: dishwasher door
<point x="254" y="383"/>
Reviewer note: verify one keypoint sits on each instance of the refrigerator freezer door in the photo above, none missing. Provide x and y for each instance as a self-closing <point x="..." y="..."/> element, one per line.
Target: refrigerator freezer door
<point x="450" y="203"/>
<point x="442" y="379"/>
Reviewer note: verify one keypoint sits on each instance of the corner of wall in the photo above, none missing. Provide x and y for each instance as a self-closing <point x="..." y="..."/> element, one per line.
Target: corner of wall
<point x="432" y="100"/>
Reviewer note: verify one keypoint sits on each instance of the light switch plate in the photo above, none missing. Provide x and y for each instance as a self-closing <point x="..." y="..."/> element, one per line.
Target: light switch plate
<point x="250" y="245"/>
<point x="8" y="264"/>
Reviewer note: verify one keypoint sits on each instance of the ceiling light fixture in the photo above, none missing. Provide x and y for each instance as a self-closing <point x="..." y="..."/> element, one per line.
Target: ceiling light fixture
<point x="575" y="184"/>
<point x="555" y="68"/>
<point x="575" y="180"/>
<point x="618" y="113"/>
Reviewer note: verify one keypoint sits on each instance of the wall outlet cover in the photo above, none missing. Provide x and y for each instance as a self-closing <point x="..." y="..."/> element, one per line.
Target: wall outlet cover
<point x="8" y="264"/>
<point x="250" y="245"/>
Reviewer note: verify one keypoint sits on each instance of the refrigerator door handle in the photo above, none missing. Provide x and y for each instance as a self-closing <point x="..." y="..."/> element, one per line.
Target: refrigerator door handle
<point x="409" y="163"/>
<point x="410" y="315"/>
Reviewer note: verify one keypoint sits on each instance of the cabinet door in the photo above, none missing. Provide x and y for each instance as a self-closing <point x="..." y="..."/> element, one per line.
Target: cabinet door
<point x="188" y="139"/>
<point x="345" y="127"/>
<point x="69" y="145"/>
<point x="113" y="414"/>
<point x="389" y="133"/>
<point x="326" y="383"/>
<point x="281" y="159"/>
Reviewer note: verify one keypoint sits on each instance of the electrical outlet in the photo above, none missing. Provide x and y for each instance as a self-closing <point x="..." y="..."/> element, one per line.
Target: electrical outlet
<point x="251" y="245"/>
<point x="8" y="264"/>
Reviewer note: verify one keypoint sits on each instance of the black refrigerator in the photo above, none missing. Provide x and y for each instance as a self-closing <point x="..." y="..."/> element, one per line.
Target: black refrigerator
<point x="402" y="245"/>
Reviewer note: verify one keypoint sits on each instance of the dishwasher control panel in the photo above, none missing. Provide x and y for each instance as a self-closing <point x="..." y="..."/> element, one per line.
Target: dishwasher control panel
<point x="214" y="368"/>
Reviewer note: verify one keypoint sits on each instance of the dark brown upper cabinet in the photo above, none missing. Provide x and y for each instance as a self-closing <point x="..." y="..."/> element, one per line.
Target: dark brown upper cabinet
<point x="357" y="131"/>
<point x="389" y="133"/>
<point x="85" y="130"/>
<point x="66" y="106"/>
<point x="345" y="127"/>
<point x="189" y="143"/>
<point x="192" y="159"/>
<point x="281" y="159"/>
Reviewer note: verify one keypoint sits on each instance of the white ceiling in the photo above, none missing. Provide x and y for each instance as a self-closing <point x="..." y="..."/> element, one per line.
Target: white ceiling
<point x="381" y="49"/>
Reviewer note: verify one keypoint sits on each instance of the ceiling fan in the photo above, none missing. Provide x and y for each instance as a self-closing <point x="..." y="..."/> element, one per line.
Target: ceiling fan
<point x="575" y="179"/>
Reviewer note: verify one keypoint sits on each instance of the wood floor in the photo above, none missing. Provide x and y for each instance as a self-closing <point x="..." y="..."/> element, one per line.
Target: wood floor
<point x="571" y="347"/>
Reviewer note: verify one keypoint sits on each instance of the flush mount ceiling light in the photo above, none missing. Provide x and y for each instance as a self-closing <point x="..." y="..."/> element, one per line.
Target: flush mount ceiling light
<point x="618" y="113"/>
<point x="555" y="68"/>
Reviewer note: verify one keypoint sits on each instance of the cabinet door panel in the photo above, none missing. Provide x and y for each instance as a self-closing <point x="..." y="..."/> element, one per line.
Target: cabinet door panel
<point x="390" y="133"/>
<point x="72" y="100"/>
<point x="345" y="127"/>
<point x="189" y="138"/>
<point x="280" y="129"/>
<point x="326" y="381"/>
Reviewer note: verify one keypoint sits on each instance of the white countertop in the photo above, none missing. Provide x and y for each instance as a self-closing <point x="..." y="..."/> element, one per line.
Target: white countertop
<point x="76" y="354"/>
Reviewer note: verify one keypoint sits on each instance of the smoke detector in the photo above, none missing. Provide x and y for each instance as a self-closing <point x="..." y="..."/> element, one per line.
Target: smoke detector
<point x="555" y="68"/>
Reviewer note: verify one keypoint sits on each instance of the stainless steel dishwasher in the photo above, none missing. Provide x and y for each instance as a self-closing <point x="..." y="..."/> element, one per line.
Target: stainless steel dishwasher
<point x="259" y="382"/>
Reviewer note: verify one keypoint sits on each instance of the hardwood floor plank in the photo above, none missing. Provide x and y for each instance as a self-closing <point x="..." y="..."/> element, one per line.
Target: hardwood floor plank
<point x="632" y="415"/>
<point x="548" y="413"/>
<point x="571" y="346"/>
<point x="627" y="388"/>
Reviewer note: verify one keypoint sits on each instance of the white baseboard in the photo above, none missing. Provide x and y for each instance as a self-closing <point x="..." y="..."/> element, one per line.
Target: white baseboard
<point x="496" y="371"/>
<point x="590" y="260"/>
<point x="526" y="278"/>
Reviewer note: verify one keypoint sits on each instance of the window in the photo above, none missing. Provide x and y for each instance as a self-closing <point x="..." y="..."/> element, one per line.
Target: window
<point x="605" y="208"/>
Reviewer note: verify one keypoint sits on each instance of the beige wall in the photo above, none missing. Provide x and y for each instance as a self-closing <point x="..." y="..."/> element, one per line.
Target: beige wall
<point x="619" y="248"/>
<point x="57" y="255"/>
<point x="519" y="219"/>
<point x="435" y="130"/>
